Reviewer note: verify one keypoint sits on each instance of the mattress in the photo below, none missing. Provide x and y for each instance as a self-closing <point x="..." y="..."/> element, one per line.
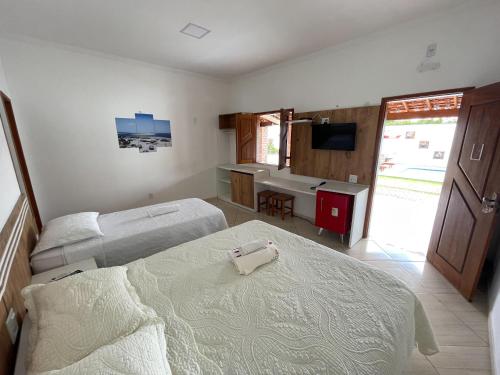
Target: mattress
<point x="312" y="311"/>
<point x="132" y="234"/>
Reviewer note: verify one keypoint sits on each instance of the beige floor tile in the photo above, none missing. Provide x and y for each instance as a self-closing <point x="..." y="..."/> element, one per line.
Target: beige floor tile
<point x="473" y="318"/>
<point x="419" y="365"/>
<point x="367" y="250"/>
<point x="456" y="302"/>
<point x="402" y="255"/>
<point x="457" y="335"/>
<point x="463" y="372"/>
<point x="462" y="357"/>
<point x="431" y="302"/>
<point x="450" y="330"/>
<point x="477" y="321"/>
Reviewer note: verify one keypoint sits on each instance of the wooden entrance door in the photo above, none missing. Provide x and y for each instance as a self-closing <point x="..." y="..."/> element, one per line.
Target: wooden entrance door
<point x="468" y="206"/>
<point x="246" y="138"/>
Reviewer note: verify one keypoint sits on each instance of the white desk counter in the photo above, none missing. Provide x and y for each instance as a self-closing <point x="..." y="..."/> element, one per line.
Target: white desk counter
<point x="286" y="184"/>
<point x="242" y="168"/>
<point x="343" y="187"/>
<point x="305" y="201"/>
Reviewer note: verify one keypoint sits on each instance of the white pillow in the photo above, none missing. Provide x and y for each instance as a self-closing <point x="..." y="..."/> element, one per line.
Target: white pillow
<point x="75" y="316"/>
<point x="142" y="352"/>
<point x="68" y="229"/>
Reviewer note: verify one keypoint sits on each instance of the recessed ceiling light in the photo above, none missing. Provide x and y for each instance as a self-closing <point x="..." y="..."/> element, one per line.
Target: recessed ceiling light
<point x="195" y="31"/>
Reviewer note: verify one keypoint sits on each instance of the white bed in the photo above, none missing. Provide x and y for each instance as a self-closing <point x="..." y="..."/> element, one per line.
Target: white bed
<point x="132" y="234"/>
<point x="313" y="310"/>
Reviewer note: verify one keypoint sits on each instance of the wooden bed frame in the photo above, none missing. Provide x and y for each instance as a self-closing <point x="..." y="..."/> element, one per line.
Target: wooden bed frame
<point x="17" y="240"/>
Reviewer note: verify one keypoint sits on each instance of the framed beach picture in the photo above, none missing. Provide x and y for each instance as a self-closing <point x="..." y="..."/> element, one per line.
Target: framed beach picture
<point x="143" y="132"/>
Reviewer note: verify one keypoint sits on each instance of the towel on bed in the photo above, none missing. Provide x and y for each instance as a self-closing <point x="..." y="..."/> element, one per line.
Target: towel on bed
<point x="248" y="263"/>
<point x="248" y="248"/>
<point x="162" y="210"/>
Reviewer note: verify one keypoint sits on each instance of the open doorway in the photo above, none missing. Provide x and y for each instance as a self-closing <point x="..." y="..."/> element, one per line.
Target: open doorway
<point x="268" y="136"/>
<point x="415" y="142"/>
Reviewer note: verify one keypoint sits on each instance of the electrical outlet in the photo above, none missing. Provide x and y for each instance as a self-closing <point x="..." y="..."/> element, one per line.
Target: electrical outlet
<point x="335" y="211"/>
<point x="325" y="120"/>
<point x="353" y="178"/>
<point x="12" y="326"/>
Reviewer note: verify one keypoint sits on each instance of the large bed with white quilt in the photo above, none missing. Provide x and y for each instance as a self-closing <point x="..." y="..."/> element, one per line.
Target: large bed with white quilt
<point x="311" y="311"/>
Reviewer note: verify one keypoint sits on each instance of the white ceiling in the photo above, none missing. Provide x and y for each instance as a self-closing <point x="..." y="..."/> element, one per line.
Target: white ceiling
<point x="246" y="35"/>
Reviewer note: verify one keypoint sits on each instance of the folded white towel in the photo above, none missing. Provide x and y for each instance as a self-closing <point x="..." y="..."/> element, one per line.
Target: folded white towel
<point x="248" y="248"/>
<point x="162" y="210"/>
<point x="248" y="263"/>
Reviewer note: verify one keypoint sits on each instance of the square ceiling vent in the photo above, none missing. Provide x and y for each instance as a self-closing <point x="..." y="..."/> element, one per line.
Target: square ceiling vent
<point x="195" y="31"/>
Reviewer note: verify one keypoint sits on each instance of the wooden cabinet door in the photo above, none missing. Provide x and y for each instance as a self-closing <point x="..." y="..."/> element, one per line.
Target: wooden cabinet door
<point x="247" y="190"/>
<point x="236" y="187"/>
<point x="246" y="138"/>
<point x="468" y="206"/>
<point x="242" y="189"/>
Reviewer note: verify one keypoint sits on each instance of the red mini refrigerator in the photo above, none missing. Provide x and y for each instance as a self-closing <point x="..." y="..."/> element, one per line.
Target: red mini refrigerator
<point x="334" y="211"/>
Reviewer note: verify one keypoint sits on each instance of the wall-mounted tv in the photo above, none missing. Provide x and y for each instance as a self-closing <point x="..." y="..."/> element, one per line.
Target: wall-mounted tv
<point x="334" y="136"/>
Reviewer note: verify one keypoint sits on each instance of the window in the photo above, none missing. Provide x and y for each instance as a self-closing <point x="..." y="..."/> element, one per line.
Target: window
<point x="268" y="139"/>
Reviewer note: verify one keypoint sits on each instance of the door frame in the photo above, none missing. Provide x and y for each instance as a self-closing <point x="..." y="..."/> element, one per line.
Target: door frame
<point x="378" y="140"/>
<point x="258" y="114"/>
<point x="23" y="167"/>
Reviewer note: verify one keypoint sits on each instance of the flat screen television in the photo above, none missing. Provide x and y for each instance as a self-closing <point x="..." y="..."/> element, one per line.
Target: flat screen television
<point x="334" y="136"/>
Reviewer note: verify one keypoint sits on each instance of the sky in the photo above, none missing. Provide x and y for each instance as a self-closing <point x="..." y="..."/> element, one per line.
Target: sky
<point x="142" y="123"/>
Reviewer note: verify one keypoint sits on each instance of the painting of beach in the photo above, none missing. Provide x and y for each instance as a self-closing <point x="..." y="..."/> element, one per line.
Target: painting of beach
<point x="143" y="132"/>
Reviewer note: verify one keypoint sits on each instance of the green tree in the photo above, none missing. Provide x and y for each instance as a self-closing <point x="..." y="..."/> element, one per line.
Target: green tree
<point x="271" y="149"/>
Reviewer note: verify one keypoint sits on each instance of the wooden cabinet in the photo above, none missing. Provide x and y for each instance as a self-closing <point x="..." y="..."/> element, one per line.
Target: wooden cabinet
<point x="228" y="121"/>
<point x="242" y="186"/>
<point x="245" y="125"/>
<point x="246" y="139"/>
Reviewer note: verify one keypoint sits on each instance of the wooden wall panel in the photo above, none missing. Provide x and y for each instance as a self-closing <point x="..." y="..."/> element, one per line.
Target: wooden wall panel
<point x="330" y="164"/>
<point x="6" y="348"/>
<point x="19" y="273"/>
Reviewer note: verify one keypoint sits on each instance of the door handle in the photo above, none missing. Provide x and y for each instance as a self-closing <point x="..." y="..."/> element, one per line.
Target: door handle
<point x="490" y="204"/>
<point x="321" y="204"/>
<point x="472" y="157"/>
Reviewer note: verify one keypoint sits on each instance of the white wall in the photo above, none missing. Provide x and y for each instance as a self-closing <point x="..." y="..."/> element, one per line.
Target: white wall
<point x="65" y="101"/>
<point x="3" y="79"/>
<point x="9" y="188"/>
<point x="383" y="64"/>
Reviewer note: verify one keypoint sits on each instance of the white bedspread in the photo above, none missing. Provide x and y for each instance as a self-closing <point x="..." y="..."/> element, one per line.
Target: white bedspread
<point x="132" y="234"/>
<point x="312" y="311"/>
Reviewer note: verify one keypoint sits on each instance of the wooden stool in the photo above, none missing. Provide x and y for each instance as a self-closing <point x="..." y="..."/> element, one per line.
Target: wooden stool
<point x="266" y="194"/>
<point x="278" y="203"/>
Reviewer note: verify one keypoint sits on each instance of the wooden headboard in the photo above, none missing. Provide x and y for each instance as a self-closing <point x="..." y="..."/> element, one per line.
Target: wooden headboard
<point x="17" y="240"/>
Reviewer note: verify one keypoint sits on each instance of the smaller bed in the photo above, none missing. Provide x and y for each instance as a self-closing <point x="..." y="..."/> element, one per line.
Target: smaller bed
<point x="133" y="234"/>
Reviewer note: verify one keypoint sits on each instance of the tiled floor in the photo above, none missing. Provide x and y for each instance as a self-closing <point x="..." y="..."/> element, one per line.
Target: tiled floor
<point x="461" y="328"/>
